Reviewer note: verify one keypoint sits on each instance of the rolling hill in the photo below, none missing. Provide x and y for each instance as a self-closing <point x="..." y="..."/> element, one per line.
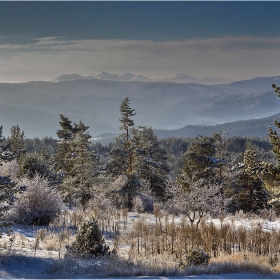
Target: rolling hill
<point x="36" y="106"/>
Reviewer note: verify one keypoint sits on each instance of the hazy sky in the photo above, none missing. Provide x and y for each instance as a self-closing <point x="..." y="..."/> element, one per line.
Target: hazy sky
<point x="42" y="40"/>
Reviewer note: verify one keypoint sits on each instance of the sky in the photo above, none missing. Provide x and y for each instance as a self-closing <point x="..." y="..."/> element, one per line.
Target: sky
<point x="42" y="40"/>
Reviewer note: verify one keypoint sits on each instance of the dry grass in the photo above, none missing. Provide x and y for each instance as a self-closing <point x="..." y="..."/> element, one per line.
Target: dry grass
<point x="52" y="240"/>
<point x="115" y="267"/>
<point x="156" y="245"/>
<point x="178" y="238"/>
<point x="247" y="262"/>
<point x="162" y="245"/>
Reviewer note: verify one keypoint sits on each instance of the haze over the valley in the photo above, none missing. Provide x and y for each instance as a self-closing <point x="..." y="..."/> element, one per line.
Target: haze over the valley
<point x="36" y="106"/>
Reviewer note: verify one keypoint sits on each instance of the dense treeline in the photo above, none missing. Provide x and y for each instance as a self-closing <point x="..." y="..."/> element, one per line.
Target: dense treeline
<point x="174" y="146"/>
<point x="85" y="188"/>
<point x="139" y="170"/>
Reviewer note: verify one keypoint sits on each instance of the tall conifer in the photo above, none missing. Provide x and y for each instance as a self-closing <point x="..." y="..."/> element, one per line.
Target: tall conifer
<point x="75" y="161"/>
<point x="123" y="154"/>
<point x="8" y="188"/>
<point x="152" y="161"/>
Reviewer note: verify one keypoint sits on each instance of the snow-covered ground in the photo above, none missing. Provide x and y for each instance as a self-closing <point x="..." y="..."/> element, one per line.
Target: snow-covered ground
<point x="18" y="258"/>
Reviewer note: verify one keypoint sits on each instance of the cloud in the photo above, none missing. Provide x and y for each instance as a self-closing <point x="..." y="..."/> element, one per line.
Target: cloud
<point x="234" y="57"/>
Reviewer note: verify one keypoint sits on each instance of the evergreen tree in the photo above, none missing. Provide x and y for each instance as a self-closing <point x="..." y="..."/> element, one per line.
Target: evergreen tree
<point x="46" y="145"/>
<point x="200" y="159"/>
<point x="75" y="161"/>
<point x="269" y="173"/>
<point x="16" y="141"/>
<point x="7" y="187"/>
<point x="151" y="163"/>
<point x="80" y="181"/>
<point x="221" y="156"/>
<point x="65" y="138"/>
<point x="250" y="193"/>
<point x="31" y="164"/>
<point x="127" y="125"/>
<point x="123" y="154"/>
<point x="89" y="242"/>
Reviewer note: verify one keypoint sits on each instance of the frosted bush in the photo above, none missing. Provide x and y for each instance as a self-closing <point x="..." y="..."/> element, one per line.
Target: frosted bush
<point x="268" y="214"/>
<point x="101" y="202"/>
<point x="148" y="202"/>
<point x="138" y="205"/>
<point x="9" y="168"/>
<point x="39" y="204"/>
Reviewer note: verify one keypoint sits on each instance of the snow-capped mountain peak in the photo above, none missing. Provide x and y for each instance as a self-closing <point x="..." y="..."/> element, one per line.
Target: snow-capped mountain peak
<point x="67" y="77"/>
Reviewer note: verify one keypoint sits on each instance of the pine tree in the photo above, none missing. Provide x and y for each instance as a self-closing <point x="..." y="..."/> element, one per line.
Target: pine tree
<point x="7" y="187"/>
<point x="270" y="173"/>
<point x="81" y="181"/>
<point x="31" y="164"/>
<point x="17" y="141"/>
<point x="123" y="154"/>
<point x="75" y="161"/>
<point x="221" y="156"/>
<point x="89" y="242"/>
<point x="65" y="137"/>
<point x="200" y="159"/>
<point x="151" y="160"/>
<point x="127" y="125"/>
<point x="250" y="193"/>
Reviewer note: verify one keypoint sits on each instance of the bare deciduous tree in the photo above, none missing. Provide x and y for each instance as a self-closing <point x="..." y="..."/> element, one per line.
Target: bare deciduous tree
<point x="198" y="200"/>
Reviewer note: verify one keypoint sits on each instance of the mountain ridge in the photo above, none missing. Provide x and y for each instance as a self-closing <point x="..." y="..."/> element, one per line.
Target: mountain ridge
<point x="130" y="77"/>
<point x="245" y="128"/>
<point x="36" y="106"/>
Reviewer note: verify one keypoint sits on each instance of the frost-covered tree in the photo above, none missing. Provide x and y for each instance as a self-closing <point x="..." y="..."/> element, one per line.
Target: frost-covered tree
<point x="89" y="242"/>
<point x="124" y="153"/>
<point x="10" y="168"/>
<point x="151" y="160"/>
<point x="207" y="158"/>
<point x="222" y="158"/>
<point x="249" y="191"/>
<point x="268" y="172"/>
<point x="74" y="161"/>
<point x="8" y="188"/>
<point x="201" y="198"/>
<point x="80" y="181"/>
<point x="31" y="164"/>
<point x="200" y="159"/>
<point x="65" y="137"/>
<point x="16" y="141"/>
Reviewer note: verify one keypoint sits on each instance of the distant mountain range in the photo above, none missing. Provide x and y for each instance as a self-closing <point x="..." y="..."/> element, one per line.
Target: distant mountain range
<point x="129" y="77"/>
<point x="247" y="128"/>
<point x="36" y="106"/>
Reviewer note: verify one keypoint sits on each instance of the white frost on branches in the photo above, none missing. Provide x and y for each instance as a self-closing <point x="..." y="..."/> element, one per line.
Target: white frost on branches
<point x="40" y="203"/>
<point x="9" y="168"/>
<point x="197" y="200"/>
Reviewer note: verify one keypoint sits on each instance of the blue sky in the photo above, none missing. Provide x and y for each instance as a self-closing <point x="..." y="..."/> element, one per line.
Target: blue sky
<point x="221" y="39"/>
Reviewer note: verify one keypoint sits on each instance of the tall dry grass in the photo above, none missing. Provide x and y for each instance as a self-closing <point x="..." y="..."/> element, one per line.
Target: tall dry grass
<point x="178" y="238"/>
<point x="150" y="266"/>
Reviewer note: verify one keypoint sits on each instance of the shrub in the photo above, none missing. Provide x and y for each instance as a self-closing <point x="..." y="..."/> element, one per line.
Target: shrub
<point x="138" y="205"/>
<point x="197" y="257"/>
<point x="101" y="202"/>
<point x="89" y="242"/>
<point x="39" y="204"/>
<point x="9" y="168"/>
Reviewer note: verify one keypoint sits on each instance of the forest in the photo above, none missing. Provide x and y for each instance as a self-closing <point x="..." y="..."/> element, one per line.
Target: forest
<point x="146" y="205"/>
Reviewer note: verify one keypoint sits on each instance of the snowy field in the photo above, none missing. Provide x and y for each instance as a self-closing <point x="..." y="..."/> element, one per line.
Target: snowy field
<point x="21" y="258"/>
